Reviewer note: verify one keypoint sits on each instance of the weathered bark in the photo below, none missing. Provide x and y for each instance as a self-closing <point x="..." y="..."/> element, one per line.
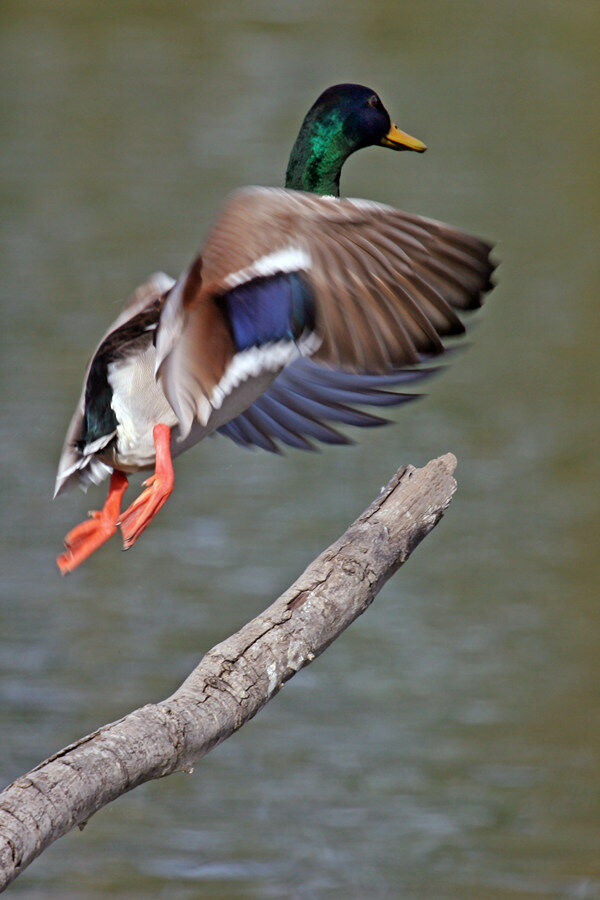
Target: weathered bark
<point x="233" y="681"/>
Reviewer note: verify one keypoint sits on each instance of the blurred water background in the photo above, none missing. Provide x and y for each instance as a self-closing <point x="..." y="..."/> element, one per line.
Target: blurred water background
<point x="447" y="745"/>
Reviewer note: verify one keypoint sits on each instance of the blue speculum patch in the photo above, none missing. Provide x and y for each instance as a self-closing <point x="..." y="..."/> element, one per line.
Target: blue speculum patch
<point x="276" y="308"/>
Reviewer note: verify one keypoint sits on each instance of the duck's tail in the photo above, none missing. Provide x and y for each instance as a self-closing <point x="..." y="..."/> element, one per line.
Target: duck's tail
<point x="82" y="466"/>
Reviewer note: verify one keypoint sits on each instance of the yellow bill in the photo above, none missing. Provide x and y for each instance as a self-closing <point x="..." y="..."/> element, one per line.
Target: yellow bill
<point x="399" y="140"/>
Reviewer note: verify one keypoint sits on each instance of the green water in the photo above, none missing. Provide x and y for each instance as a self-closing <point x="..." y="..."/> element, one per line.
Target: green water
<point x="447" y="745"/>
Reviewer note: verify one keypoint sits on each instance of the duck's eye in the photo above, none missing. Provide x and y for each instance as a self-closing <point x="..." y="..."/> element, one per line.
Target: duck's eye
<point x="374" y="101"/>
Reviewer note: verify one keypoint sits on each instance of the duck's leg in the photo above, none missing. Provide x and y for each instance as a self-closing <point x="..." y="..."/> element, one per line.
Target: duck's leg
<point x="158" y="488"/>
<point x="85" y="538"/>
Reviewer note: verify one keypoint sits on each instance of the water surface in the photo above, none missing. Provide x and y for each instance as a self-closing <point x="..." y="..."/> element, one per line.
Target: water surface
<point x="447" y="745"/>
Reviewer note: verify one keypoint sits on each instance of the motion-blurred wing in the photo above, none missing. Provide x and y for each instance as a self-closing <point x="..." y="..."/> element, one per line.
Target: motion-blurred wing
<point x="305" y="397"/>
<point x="358" y="285"/>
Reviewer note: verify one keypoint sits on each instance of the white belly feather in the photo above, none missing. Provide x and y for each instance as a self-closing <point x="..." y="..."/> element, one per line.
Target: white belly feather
<point x="139" y="402"/>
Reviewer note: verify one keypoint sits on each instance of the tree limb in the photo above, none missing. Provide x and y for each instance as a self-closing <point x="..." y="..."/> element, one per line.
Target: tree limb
<point x="233" y="681"/>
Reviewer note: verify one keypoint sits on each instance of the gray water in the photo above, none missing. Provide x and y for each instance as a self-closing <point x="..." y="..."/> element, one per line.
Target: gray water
<point x="447" y="745"/>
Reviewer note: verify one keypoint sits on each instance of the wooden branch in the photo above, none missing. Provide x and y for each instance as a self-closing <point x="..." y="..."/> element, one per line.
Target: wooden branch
<point x="233" y="681"/>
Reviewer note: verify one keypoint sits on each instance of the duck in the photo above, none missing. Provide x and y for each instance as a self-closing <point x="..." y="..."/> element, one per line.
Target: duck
<point x="301" y="309"/>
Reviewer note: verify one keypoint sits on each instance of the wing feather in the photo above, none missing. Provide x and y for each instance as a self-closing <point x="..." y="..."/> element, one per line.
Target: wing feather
<point x="386" y="287"/>
<point x="306" y="396"/>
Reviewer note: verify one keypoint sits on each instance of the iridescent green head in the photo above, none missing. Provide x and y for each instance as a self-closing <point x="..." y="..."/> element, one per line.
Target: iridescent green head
<point x="345" y="118"/>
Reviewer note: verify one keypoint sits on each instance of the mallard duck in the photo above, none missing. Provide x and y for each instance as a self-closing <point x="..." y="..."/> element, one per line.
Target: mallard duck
<point x="300" y="307"/>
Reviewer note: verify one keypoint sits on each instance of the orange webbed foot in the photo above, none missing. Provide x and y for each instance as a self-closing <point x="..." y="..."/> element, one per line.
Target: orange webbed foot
<point x="159" y="487"/>
<point x="141" y="512"/>
<point x="88" y="536"/>
<point x="84" y="539"/>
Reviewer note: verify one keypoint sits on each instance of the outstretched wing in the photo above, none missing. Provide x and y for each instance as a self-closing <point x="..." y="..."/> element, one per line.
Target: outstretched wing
<point x="359" y="285"/>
